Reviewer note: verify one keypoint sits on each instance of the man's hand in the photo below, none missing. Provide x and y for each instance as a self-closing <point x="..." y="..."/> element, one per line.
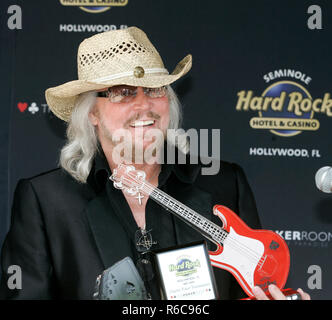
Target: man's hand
<point x="276" y="293"/>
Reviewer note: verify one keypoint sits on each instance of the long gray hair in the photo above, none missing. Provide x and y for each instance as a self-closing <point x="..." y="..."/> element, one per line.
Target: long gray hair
<point x="82" y="142"/>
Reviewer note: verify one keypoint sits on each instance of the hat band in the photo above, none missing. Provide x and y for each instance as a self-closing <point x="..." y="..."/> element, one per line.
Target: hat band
<point x="128" y="74"/>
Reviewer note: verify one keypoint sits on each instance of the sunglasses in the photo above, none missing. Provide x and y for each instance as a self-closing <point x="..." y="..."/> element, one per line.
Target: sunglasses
<point x="124" y="94"/>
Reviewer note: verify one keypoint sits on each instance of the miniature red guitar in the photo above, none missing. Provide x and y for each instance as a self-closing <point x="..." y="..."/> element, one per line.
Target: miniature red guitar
<point x="254" y="257"/>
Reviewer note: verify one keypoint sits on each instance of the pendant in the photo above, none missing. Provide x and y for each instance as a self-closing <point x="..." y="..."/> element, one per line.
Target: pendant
<point x="139" y="197"/>
<point x="143" y="240"/>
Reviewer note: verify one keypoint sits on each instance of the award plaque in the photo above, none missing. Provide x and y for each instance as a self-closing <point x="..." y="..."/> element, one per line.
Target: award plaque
<point x="185" y="273"/>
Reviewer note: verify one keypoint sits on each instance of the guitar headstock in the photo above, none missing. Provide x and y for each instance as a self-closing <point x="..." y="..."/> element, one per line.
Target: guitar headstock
<point x="128" y="179"/>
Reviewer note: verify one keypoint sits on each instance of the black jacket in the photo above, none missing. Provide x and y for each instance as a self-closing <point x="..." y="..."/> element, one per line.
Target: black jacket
<point x="63" y="233"/>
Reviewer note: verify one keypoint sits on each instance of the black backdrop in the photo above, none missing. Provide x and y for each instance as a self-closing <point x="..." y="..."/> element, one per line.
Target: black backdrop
<point x="234" y="44"/>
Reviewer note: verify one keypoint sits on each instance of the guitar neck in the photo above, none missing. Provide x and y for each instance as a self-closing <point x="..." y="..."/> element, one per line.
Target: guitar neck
<point x="207" y="228"/>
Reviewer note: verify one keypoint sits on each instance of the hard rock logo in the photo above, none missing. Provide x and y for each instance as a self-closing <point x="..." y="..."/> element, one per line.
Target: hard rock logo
<point x="286" y="108"/>
<point x="184" y="267"/>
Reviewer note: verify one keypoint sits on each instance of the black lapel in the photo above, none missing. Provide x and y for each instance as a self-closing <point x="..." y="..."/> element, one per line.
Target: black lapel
<point x="109" y="234"/>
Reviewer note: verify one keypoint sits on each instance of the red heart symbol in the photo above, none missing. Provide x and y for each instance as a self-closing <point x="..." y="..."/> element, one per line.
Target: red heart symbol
<point x="22" y="106"/>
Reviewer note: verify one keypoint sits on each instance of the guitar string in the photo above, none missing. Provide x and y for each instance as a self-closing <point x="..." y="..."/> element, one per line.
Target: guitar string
<point x="249" y="252"/>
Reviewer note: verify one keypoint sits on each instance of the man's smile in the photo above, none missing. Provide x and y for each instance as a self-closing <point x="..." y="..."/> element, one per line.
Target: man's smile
<point x="142" y="123"/>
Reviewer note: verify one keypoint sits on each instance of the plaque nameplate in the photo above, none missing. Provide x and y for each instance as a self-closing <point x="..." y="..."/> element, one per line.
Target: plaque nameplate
<point x="185" y="273"/>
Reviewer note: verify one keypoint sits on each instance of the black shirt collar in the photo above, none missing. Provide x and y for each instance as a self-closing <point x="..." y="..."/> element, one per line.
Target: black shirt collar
<point x="187" y="173"/>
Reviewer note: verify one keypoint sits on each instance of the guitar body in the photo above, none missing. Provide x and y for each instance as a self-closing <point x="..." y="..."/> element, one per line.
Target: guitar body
<point x="254" y="257"/>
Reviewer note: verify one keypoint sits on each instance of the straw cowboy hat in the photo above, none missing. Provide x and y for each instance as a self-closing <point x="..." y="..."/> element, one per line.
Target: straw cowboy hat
<point x="113" y="58"/>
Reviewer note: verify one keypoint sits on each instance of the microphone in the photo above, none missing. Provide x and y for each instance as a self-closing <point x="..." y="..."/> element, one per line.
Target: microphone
<point x="324" y="179"/>
<point x="120" y="282"/>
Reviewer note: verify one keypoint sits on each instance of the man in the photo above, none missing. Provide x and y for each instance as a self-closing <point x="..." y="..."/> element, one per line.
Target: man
<point x="70" y="224"/>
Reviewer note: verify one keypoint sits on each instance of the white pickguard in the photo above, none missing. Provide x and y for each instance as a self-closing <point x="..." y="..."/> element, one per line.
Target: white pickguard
<point x="242" y="253"/>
